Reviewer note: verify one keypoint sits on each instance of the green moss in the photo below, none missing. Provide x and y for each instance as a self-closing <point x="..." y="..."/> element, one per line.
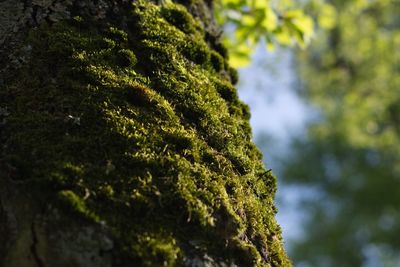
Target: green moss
<point x="178" y="16"/>
<point x="217" y="61"/>
<point x="76" y="204"/>
<point x="196" y="51"/>
<point x="234" y="75"/>
<point x="162" y="250"/>
<point x="226" y="90"/>
<point x="135" y="124"/>
<point x="187" y="3"/>
<point x="126" y="58"/>
<point x="117" y="34"/>
<point x="249" y="256"/>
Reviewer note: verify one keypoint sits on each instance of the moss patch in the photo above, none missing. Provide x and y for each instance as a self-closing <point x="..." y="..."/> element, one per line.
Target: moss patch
<point x="134" y="124"/>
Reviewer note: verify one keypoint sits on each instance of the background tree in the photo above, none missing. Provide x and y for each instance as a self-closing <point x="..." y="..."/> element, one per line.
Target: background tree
<point x="351" y="154"/>
<point x="123" y="142"/>
<point x="268" y="22"/>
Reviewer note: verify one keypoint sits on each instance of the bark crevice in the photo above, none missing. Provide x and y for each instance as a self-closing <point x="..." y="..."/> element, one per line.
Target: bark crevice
<point x="33" y="247"/>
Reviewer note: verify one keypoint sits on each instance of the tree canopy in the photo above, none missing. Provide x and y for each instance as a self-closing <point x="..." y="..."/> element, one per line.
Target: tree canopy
<point x="351" y="154"/>
<point x="276" y="22"/>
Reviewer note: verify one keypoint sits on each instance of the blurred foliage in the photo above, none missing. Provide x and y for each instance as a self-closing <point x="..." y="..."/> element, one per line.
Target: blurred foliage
<point x="286" y="22"/>
<point x="351" y="156"/>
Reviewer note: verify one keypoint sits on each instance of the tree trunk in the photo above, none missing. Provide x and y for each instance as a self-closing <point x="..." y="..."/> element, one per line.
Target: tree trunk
<point x="123" y="141"/>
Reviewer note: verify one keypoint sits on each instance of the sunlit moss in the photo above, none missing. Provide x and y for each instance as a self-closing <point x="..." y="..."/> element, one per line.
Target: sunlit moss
<point x="76" y="204"/>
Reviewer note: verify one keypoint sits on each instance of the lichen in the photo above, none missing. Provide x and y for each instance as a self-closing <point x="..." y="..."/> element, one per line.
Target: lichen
<point x="136" y="125"/>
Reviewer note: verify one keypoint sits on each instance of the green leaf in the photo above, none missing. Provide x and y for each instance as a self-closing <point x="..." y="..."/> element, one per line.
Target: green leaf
<point x="270" y="20"/>
<point x="239" y="60"/>
<point x="283" y="37"/>
<point x="232" y="3"/>
<point x="261" y="4"/>
<point x="240" y="55"/>
<point x="293" y="14"/>
<point x="327" y="17"/>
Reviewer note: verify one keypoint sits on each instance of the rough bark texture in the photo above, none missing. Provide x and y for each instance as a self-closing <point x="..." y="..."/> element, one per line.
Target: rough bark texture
<point x="123" y="141"/>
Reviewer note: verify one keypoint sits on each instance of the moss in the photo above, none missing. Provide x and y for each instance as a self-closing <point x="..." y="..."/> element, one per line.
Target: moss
<point x="135" y="124"/>
<point x="196" y="51"/>
<point x="221" y="49"/>
<point x="187" y="3"/>
<point x="217" y="61"/>
<point x="234" y="75"/>
<point x="117" y="34"/>
<point x="163" y="250"/>
<point x="75" y="204"/>
<point x="213" y="38"/>
<point x="126" y="58"/>
<point x="226" y="91"/>
<point x="178" y="16"/>
<point x="248" y="254"/>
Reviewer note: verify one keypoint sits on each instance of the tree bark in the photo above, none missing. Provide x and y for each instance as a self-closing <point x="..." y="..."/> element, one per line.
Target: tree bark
<point x="123" y="141"/>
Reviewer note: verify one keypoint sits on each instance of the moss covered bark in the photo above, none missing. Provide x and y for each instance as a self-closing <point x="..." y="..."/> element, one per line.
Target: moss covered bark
<point x="124" y="144"/>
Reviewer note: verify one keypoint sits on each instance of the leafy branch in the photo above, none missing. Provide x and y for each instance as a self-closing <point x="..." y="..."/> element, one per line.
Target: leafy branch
<point x="286" y="23"/>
